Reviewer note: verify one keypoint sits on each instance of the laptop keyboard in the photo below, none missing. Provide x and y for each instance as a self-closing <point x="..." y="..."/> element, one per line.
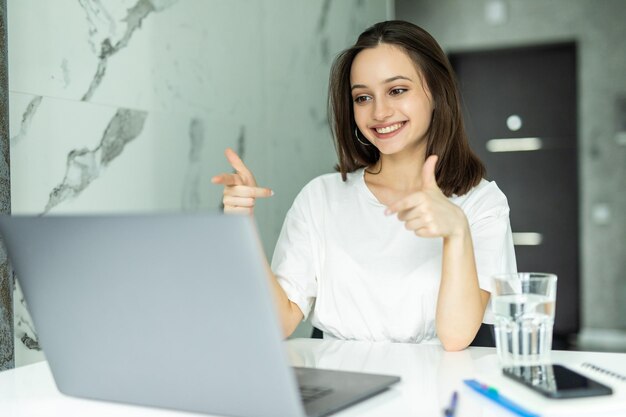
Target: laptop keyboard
<point x="310" y="393"/>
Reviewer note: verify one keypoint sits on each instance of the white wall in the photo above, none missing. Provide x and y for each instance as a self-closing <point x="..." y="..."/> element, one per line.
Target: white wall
<point x="182" y="79"/>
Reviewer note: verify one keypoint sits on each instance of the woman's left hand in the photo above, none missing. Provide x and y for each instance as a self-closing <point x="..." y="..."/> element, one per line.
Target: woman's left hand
<point x="428" y="212"/>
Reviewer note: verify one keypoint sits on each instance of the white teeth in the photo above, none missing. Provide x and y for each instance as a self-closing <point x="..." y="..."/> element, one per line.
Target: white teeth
<point x="389" y="129"/>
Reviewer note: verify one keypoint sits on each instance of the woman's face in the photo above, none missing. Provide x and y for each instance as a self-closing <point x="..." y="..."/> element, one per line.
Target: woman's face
<point x="392" y="104"/>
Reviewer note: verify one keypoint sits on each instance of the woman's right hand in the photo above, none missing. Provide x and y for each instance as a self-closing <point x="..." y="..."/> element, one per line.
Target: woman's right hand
<point x="240" y="188"/>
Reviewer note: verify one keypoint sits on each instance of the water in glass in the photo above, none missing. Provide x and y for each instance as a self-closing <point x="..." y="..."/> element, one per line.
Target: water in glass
<point x="523" y="328"/>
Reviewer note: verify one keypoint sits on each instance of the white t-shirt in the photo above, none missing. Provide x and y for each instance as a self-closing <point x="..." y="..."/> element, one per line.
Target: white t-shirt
<point x="364" y="275"/>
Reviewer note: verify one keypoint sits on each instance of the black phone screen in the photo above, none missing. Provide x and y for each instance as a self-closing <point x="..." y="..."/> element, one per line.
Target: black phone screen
<point x="556" y="381"/>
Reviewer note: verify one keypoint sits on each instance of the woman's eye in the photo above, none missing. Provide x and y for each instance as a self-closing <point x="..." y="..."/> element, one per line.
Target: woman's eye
<point x="361" y="99"/>
<point x="397" y="91"/>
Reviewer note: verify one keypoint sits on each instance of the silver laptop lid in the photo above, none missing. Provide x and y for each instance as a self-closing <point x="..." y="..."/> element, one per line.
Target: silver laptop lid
<point x="132" y="309"/>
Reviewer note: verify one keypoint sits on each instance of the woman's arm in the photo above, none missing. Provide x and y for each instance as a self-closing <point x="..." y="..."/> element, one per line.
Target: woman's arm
<point x="288" y="311"/>
<point x="240" y="194"/>
<point x="461" y="303"/>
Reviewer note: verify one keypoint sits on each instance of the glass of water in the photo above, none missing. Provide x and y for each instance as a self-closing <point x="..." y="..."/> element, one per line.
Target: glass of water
<point x="523" y="304"/>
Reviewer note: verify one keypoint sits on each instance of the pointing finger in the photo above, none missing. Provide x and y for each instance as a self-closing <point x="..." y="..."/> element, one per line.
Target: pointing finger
<point x="238" y="165"/>
<point x="404" y="203"/>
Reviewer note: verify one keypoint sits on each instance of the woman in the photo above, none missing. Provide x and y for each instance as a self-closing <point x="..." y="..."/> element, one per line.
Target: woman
<point x="399" y="245"/>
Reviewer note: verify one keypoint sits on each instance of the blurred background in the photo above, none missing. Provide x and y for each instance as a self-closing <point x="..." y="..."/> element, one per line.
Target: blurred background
<point x="127" y="106"/>
<point x="551" y="75"/>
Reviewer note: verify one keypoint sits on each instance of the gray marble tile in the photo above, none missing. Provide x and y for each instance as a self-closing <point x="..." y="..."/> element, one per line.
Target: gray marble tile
<point x="105" y="36"/>
<point x="84" y="165"/>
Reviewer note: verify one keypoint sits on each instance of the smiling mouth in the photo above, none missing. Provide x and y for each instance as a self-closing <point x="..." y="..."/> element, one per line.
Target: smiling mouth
<point x="389" y="129"/>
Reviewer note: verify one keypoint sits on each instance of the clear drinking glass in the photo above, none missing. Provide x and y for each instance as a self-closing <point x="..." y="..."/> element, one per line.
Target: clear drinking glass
<point x="523" y="304"/>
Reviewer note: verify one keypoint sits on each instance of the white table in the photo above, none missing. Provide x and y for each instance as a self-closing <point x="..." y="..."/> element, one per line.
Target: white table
<point x="429" y="376"/>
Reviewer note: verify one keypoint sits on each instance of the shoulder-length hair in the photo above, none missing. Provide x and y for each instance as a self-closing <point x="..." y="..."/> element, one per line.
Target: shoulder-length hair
<point x="458" y="168"/>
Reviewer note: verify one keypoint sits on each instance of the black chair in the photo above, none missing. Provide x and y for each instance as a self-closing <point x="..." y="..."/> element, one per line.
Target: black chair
<point x="484" y="338"/>
<point x="317" y="333"/>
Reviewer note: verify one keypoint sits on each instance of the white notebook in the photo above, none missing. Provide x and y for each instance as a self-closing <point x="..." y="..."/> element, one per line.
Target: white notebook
<point x="608" y="369"/>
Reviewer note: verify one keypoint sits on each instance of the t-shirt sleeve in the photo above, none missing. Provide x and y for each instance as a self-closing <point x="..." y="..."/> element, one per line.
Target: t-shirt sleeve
<point x="492" y="239"/>
<point x="293" y="262"/>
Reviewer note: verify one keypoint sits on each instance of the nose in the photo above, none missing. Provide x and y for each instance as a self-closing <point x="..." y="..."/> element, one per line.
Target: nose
<point x="382" y="109"/>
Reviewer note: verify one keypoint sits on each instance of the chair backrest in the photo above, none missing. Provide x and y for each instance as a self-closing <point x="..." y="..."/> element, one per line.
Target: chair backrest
<point x="485" y="337"/>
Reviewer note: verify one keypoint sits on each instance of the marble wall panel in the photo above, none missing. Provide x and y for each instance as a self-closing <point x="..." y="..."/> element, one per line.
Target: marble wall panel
<point x="88" y="152"/>
<point x="127" y="105"/>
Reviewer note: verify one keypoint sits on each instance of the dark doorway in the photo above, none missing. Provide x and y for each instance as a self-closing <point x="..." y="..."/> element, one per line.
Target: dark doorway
<point x="529" y="94"/>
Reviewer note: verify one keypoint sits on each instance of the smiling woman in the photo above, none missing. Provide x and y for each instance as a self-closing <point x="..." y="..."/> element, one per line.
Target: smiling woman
<point x="420" y="276"/>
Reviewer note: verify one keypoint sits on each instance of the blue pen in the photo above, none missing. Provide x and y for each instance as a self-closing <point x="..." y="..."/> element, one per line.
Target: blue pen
<point x="496" y="397"/>
<point x="451" y="410"/>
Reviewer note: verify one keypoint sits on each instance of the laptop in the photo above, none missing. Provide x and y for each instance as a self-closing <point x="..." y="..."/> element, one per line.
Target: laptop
<point x="167" y="310"/>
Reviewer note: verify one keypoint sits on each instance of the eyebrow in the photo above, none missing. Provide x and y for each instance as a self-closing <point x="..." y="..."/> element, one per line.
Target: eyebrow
<point x="388" y="80"/>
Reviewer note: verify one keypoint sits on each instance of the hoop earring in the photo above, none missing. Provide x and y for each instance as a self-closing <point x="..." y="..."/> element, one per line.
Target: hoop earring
<point x="356" y="134"/>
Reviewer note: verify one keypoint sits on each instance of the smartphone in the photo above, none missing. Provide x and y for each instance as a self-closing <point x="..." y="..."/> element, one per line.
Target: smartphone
<point x="556" y="381"/>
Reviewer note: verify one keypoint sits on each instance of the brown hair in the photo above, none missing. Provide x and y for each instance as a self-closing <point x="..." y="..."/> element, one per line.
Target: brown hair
<point x="458" y="168"/>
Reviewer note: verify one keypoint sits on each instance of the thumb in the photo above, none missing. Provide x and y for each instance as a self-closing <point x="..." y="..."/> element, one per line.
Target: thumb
<point x="428" y="173"/>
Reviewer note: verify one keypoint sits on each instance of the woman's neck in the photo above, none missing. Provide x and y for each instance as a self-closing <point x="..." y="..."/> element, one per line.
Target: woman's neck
<point x="399" y="172"/>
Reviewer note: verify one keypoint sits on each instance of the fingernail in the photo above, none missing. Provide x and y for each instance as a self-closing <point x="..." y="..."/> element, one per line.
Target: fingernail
<point x="387" y="212"/>
<point x="271" y="193"/>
